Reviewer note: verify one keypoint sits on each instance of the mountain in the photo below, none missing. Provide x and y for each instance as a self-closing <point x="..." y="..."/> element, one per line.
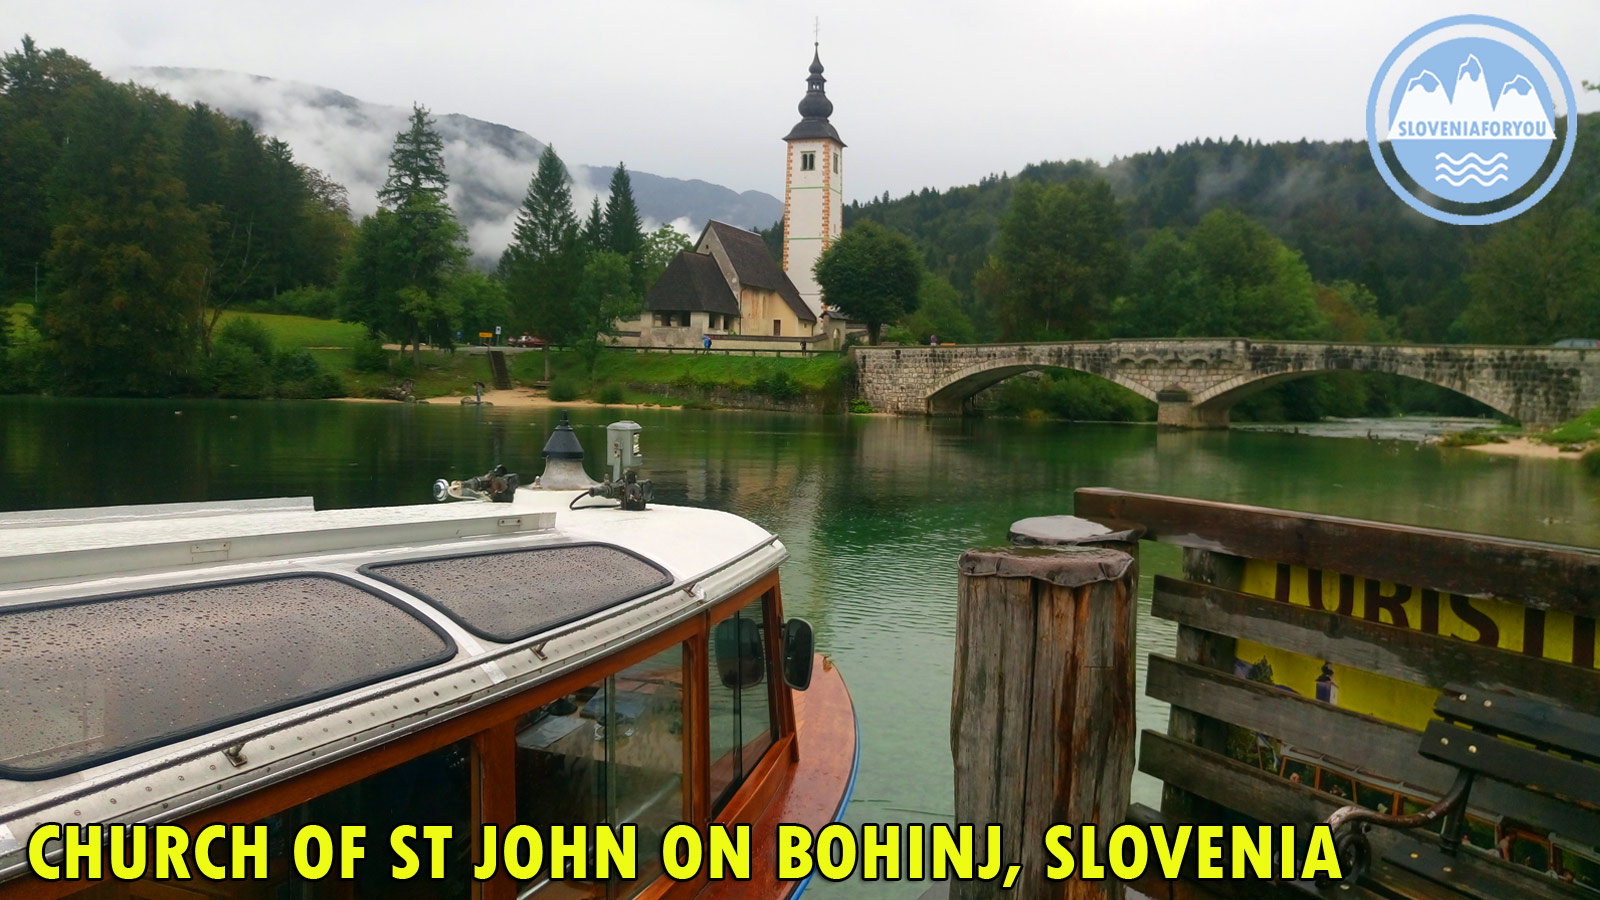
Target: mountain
<point x="489" y="164"/>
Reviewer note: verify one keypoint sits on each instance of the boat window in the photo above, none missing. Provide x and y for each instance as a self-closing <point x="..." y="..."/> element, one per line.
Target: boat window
<point x="1375" y="798"/>
<point x="740" y="700"/>
<point x="433" y="789"/>
<point x="1299" y="772"/>
<point x="1529" y="850"/>
<point x="509" y="595"/>
<point x="86" y="681"/>
<point x="1578" y="869"/>
<point x="609" y="752"/>
<point x="1336" y="784"/>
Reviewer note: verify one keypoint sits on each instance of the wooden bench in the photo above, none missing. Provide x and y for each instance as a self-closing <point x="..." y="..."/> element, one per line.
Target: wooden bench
<point x="1310" y="655"/>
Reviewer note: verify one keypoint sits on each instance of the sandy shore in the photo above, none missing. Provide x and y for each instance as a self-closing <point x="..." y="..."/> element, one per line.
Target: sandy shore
<point x="1524" y="447"/>
<point x="512" y="399"/>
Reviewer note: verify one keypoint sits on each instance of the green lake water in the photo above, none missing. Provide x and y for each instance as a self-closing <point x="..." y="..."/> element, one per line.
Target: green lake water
<point x="874" y="511"/>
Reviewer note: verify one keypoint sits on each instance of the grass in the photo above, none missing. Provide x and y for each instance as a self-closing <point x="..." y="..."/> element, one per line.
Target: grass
<point x="1581" y="430"/>
<point x="679" y="378"/>
<point x="638" y="379"/>
<point x="1472" y="438"/>
<point x="292" y="332"/>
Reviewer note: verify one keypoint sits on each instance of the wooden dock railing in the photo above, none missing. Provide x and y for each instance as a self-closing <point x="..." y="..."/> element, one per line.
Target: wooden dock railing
<point x="1311" y="654"/>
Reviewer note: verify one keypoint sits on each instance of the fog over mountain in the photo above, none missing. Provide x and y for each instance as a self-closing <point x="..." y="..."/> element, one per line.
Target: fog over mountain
<point x="489" y="164"/>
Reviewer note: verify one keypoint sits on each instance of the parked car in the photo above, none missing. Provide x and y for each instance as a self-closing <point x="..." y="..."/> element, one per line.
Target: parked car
<point x="1578" y="343"/>
<point x="527" y="340"/>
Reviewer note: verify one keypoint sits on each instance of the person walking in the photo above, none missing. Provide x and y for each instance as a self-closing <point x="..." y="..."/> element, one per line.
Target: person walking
<point x="705" y="342"/>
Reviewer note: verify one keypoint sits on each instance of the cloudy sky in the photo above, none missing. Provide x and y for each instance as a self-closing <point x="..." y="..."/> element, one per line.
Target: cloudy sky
<point x="926" y="92"/>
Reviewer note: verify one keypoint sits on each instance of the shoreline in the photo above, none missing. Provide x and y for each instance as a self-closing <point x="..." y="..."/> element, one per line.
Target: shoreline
<point x="1525" y="448"/>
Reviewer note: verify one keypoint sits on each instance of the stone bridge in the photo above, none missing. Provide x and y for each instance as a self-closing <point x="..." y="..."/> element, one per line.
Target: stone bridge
<point x="1194" y="381"/>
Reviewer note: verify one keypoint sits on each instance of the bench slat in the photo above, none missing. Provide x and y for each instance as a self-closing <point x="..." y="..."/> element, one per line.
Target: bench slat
<point x="1413" y="656"/>
<point x="1574" y="731"/>
<point x="1549" y="576"/>
<point x="1265" y="797"/>
<point x="1540" y="772"/>
<point x="1372" y="746"/>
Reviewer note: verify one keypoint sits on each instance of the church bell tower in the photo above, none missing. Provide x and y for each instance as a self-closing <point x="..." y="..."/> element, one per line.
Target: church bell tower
<point x="813" y="193"/>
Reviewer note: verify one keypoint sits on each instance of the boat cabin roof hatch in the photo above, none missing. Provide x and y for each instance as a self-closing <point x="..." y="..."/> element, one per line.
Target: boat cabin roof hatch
<point x="88" y="680"/>
<point x="509" y="595"/>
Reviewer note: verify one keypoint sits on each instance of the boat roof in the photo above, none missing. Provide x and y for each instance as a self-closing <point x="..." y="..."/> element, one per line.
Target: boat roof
<point x="158" y="659"/>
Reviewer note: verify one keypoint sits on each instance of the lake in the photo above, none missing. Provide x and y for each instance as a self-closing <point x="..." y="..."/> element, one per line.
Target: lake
<point x="875" y="511"/>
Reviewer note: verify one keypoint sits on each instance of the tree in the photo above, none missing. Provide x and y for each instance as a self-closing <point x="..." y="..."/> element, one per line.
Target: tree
<point x="406" y="255"/>
<point x="1063" y="258"/>
<point x="871" y="274"/>
<point x="416" y="162"/>
<point x="594" y="228"/>
<point x="1536" y="279"/>
<point x="939" y="313"/>
<point x="606" y="295"/>
<point x="624" y="235"/>
<point x="544" y="263"/>
<point x="127" y="255"/>
<point x="661" y="247"/>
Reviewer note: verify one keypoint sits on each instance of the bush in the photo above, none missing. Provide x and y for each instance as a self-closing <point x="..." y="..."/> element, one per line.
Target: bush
<point x="609" y="394"/>
<point x="369" y="356"/>
<point x="316" y="302"/>
<point x="249" y="333"/>
<point x="296" y="375"/>
<point x="860" y="406"/>
<point x="27" y="360"/>
<point x="234" y="370"/>
<point x="779" y="386"/>
<point x="563" y="390"/>
<point x="1591" y="462"/>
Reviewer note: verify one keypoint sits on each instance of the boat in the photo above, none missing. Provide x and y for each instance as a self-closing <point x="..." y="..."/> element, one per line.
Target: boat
<point x="225" y="699"/>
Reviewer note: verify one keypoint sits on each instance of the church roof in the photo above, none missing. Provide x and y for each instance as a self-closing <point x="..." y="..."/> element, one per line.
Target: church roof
<point x="815" y="108"/>
<point x="692" y="282"/>
<point x="754" y="266"/>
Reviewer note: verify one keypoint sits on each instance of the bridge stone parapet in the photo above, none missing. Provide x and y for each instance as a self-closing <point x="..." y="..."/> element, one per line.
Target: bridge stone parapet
<point x="1195" y="381"/>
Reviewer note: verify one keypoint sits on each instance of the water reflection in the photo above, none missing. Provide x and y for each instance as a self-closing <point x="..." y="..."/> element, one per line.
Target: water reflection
<point x="875" y="511"/>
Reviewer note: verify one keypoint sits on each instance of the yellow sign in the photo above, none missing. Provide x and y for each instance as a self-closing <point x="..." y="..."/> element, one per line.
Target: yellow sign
<point x="1549" y="634"/>
<point x="486" y="334"/>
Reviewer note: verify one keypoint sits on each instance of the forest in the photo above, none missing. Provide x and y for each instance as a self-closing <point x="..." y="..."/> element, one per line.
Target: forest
<point x="132" y="227"/>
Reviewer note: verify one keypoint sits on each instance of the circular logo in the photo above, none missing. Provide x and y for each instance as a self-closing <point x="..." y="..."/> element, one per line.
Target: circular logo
<point x="1477" y="114"/>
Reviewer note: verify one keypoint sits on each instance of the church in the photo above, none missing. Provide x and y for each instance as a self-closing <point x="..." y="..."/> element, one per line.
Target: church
<point x="730" y="288"/>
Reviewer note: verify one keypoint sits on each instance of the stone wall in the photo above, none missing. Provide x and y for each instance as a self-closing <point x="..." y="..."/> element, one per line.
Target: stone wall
<point x="1194" y="382"/>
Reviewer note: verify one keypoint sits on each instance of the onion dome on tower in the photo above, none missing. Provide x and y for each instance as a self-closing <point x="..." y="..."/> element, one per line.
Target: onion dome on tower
<point x="815" y="108"/>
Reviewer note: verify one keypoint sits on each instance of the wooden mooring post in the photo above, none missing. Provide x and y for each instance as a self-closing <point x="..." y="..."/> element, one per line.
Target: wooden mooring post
<point x="1042" y="711"/>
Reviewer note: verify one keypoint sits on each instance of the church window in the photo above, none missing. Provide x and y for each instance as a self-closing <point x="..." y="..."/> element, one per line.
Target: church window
<point x="808" y="161"/>
<point x="835" y="163"/>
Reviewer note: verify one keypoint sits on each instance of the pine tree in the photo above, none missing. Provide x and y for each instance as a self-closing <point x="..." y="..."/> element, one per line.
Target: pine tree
<point x="546" y="220"/>
<point x="416" y="163"/>
<point x="544" y="263"/>
<point x="594" y="228"/>
<point x="398" y="283"/>
<point x="624" y="235"/>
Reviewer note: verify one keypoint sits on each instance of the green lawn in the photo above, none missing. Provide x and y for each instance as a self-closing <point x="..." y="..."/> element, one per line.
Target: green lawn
<point x="1583" y="429"/>
<point x="688" y="374"/>
<point x="295" y="332"/>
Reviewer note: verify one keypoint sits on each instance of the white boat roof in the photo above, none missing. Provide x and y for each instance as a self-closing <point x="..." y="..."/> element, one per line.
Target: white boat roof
<point x="449" y="605"/>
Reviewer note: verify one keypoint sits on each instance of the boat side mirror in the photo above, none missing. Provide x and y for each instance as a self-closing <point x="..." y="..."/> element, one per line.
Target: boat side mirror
<point x="799" y="647"/>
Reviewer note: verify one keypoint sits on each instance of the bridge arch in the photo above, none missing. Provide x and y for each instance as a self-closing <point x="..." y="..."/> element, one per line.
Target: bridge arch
<point x="1215" y="401"/>
<point x="952" y="394"/>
